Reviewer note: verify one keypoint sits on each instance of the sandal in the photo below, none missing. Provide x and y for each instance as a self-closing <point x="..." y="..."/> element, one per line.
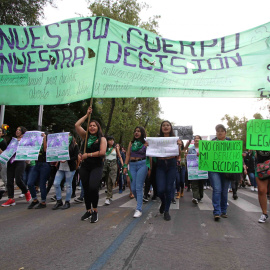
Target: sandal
<point x="131" y="196"/>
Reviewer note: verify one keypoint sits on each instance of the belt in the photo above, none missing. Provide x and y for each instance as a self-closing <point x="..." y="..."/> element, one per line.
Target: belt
<point x="135" y="160"/>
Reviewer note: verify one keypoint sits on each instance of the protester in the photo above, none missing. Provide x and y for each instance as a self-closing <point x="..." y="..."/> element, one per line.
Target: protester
<point x="136" y="159"/>
<point x="122" y="177"/>
<point x="110" y="167"/>
<point x="92" y="164"/>
<point x="15" y="169"/>
<point x="3" y="167"/>
<point x="250" y="161"/>
<point x="263" y="159"/>
<point x="166" y="173"/>
<point x="196" y="185"/>
<point x="40" y="171"/>
<point x="66" y="169"/>
<point x="219" y="182"/>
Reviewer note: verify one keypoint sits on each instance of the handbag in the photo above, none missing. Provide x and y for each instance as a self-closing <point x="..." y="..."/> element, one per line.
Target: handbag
<point x="263" y="170"/>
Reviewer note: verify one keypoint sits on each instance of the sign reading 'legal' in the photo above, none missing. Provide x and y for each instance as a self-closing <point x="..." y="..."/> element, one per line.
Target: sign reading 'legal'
<point x="221" y="156"/>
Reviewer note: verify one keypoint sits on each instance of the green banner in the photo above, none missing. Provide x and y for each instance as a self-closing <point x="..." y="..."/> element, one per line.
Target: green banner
<point x="221" y="156"/>
<point x="78" y="58"/>
<point x="258" y="134"/>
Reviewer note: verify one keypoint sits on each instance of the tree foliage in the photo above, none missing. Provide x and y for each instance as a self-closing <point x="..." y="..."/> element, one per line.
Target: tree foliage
<point x="22" y="12"/>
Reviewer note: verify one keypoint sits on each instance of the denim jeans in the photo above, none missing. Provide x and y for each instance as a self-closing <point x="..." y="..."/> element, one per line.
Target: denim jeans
<point x="40" y="171"/>
<point x="138" y="172"/>
<point x="57" y="181"/>
<point x="165" y="177"/>
<point x="180" y="178"/>
<point x="26" y="174"/>
<point x="252" y="179"/>
<point x="220" y="185"/>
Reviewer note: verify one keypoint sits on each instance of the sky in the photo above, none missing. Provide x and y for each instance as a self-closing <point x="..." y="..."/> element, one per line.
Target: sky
<point x="191" y="21"/>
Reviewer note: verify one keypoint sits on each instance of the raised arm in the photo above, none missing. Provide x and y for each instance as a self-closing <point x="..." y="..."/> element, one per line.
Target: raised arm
<point x="81" y="132"/>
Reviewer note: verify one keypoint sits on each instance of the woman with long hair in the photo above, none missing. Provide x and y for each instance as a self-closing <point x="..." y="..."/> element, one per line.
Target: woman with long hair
<point x="3" y="167"/>
<point x="92" y="164"/>
<point x="166" y="173"/>
<point x="15" y="169"/>
<point x="136" y="158"/>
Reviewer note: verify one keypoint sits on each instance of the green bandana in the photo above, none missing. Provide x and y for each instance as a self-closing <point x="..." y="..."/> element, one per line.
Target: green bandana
<point x="136" y="146"/>
<point x="109" y="150"/>
<point x="91" y="140"/>
<point x="1" y="139"/>
<point x="69" y="140"/>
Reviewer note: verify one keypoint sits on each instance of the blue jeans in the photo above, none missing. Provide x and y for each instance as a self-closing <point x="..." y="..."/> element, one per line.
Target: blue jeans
<point x="40" y="171"/>
<point x="68" y="179"/>
<point x="220" y="185"/>
<point x="138" y="172"/>
<point x="252" y="179"/>
<point x="180" y="178"/>
<point x="26" y="173"/>
<point x="165" y="178"/>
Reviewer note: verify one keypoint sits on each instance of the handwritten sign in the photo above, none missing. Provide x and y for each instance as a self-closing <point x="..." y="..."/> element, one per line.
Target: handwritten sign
<point x="70" y="60"/>
<point x="221" y="156"/>
<point x="193" y="168"/>
<point x="29" y="146"/>
<point x="10" y="151"/>
<point x="183" y="132"/>
<point x="258" y="135"/>
<point x="162" y="147"/>
<point x="57" y="147"/>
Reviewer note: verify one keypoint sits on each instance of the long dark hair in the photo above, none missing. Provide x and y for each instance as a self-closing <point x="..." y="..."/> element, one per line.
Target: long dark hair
<point x="99" y="132"/>
<point x="23" y="129"/>
<point x="143" y="134"/>
<point x="161" y="134"/>
<point x="108" y="138"/>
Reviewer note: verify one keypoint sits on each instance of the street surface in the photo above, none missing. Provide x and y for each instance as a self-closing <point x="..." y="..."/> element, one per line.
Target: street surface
<point x="50" y="240"/>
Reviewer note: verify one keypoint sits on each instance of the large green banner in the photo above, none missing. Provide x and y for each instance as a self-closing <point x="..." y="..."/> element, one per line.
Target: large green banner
<point x="258" y="134"/>
<point x="221" y="156"/>
<point x="78" y="58"/>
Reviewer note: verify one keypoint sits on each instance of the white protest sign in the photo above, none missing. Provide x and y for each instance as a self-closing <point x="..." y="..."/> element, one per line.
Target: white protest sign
<point x="162" y="147"/>
<point x="183" y="132"/>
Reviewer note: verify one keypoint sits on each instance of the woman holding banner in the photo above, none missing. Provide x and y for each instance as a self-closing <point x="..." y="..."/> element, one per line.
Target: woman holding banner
<point x="219" y="182"/>
<point x="3" y="167"/>
<point x="136" y="158"/>
<point x="92" y="164"/>
<point x="15" y="169"/>
<point x="166" y="173"/>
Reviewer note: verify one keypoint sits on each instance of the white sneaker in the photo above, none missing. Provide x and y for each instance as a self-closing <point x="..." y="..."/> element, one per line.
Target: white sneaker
<point x="195" y="201"/>
<point x="204" y="187"/>
<point x="107" y="202"/>
<point x="255" y="189"/>
<point x="21" y="196"/>
<point x="137" y="213"/>
<point x="208" y="187"/>
<point x="252" y="188"/>
<point x="263" y="218"/>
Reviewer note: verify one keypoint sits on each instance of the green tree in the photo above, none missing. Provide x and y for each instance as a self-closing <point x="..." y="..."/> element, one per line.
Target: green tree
<point x="22" y="12"/>
<point x="122" y="115"/>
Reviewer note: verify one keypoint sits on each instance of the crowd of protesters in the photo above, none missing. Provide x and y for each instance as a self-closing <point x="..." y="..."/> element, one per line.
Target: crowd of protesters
<point x="100" y="161"/>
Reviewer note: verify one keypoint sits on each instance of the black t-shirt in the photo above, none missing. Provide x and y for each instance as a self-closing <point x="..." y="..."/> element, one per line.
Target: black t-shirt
<point x="3" y="144"/>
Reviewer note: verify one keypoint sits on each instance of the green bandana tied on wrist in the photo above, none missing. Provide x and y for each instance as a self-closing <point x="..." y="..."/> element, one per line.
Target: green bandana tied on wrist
<point x="136" y="146"/>
<point x="91" y="140"/>
<point x="129" y="174"/>
<point x="109" y="150"/>
<point x="1" y="139"/>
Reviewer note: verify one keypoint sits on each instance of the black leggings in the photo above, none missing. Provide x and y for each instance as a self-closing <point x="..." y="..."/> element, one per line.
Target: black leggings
<point x="91" y="178"/>
<point x="15" y="170"/>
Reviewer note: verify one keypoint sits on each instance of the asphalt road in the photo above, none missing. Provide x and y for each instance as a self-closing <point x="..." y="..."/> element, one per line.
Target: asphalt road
<point x="44" y="239"/>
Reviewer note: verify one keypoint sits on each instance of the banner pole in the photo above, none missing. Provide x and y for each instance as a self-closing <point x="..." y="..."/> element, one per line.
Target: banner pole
<point x="40" y="117"/>
<point x="3" y="107"/>
<point x="93" y="85"/>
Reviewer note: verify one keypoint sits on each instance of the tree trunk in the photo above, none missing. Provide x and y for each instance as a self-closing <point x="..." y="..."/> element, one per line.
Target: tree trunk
<point x="110" y="117"/>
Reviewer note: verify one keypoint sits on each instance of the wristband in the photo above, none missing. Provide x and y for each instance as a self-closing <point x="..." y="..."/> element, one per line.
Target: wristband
<point x="125" y="166"/>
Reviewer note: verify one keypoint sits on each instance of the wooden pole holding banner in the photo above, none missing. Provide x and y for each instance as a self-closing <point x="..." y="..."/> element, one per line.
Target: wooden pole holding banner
<point x="2" y="116"/>
<point x="93" y="85"/>
<point x="40" y="117"/>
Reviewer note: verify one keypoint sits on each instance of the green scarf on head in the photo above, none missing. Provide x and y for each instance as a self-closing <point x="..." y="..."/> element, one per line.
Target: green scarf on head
<point x="109" y="150"/>
<point x="1" y="139"/>
<point x="91" y="140"/>
<point x="136" y="146"/>
<point x="69" y="140"/>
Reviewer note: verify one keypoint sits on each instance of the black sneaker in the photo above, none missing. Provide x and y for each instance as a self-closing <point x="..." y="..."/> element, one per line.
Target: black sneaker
<point x="235" y="197"/>
<point x="217" y="217"/>
<point x="94" y="217"/>
<point x="145" y="199"/>
<point x="31" y="206"/>
<point x="162" y="208"/>
<point x="86" y="216"/>
<point x="40" y="206"/>
<point x="65" y="206"/>
<point x="58" y="204"/>
<point x="167" y="216"/>
<point x="78" y="200"/>
<point x="173" y="201"/>
<point x="224" y="215"/>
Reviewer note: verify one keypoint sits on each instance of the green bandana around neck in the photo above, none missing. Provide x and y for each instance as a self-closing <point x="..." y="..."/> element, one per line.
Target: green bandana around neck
<point x="91" y="140"/>
<point x="69" y="140"/>
<point x="109" y="150"/>
<point x="136" y="146"/>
